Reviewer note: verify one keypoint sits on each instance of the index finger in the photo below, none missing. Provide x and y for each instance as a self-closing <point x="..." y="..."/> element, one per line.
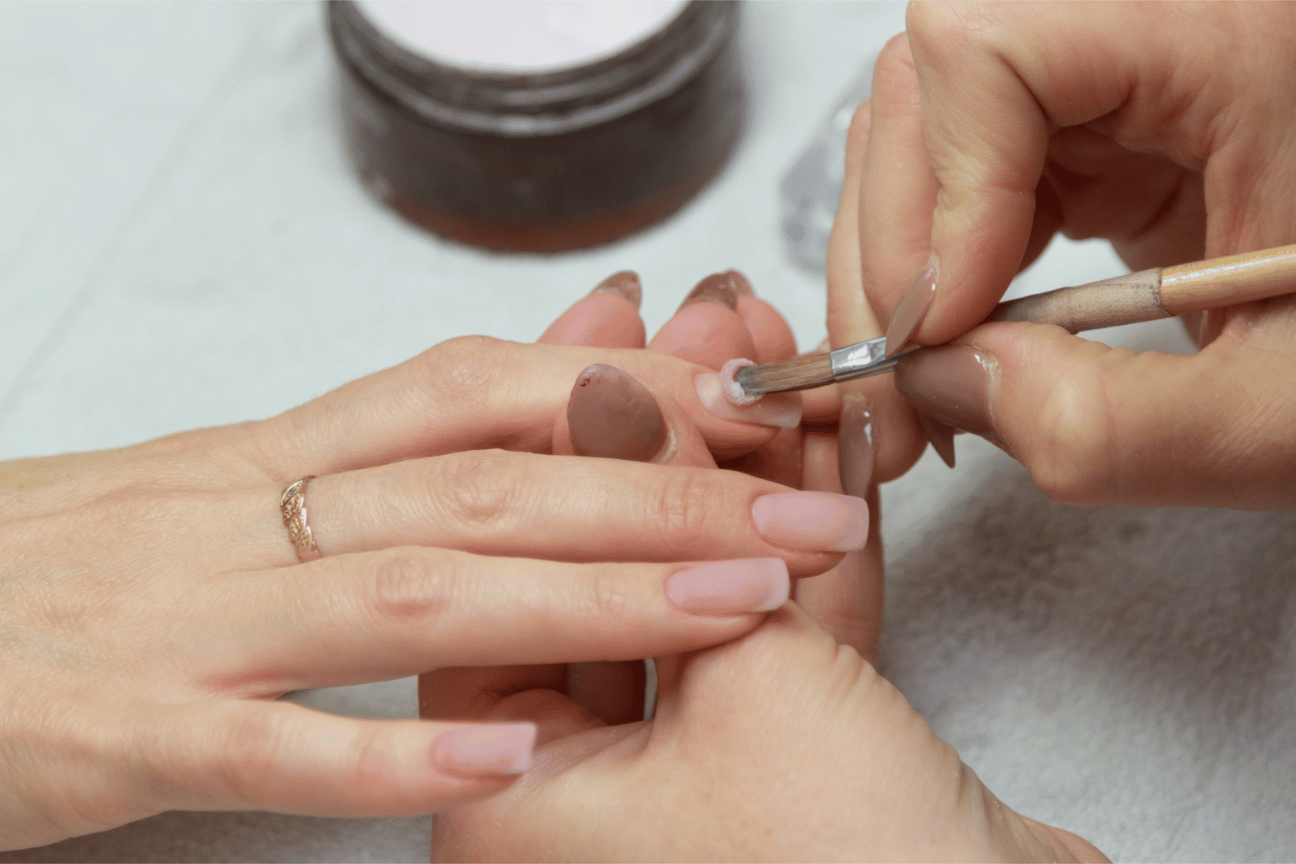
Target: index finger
<point x="476" y="392"/>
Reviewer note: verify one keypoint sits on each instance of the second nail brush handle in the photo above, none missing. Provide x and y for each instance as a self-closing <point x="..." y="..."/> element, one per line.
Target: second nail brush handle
<point x="1159" y="293"/>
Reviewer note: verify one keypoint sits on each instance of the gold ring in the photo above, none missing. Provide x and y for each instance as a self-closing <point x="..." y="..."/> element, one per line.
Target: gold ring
<point x="292" y="507"/>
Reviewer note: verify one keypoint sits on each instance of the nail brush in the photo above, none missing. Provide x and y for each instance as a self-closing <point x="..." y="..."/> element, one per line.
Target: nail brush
<point x="1147" y="295"/>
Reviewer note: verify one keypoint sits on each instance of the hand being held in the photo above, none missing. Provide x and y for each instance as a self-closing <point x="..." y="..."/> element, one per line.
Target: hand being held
<point x="1163" y="128"/>
<point x="152" y="607"/>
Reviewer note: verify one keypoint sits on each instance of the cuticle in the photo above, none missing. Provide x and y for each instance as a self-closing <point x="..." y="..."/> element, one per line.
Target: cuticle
<point x="667" y="452"/>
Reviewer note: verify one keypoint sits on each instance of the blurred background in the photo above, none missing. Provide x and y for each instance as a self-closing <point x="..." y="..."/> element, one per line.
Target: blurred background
<point x="184" y="241"/>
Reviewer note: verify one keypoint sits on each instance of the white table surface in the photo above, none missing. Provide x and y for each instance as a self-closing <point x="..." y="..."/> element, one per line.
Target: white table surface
<point x="182" y="243"/>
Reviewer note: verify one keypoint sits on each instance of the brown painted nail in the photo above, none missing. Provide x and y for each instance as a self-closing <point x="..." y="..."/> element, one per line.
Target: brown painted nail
<point x="950" y="384"/>
<point x="716" y="288"/>
<point x="741" y="283"/>
<point x="855" y="449"/>
<point x="625" y="283"/>
<point x="912" y="308"/>
<point x="614" y="416"/>
<point x="941" y="438"/>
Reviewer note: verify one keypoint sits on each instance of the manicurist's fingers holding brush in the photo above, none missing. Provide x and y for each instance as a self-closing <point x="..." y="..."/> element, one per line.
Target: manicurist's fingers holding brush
<point x="1165" y="129"/>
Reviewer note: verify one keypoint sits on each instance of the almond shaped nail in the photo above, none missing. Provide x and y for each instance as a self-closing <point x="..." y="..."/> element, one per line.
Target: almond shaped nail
<point x="624" y="283"/>
<point x="716" y="288"/>
<point x="941" y="438"/>
<point x="856" y="450"/>
<point x="912" y="308"/>
<point x="951" y="384"/>
<point x="740" y="283"/>
<point x="613" y="416"/>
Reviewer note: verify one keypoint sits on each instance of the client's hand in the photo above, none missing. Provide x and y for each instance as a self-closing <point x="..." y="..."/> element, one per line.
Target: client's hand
<point x="152" y="605"/>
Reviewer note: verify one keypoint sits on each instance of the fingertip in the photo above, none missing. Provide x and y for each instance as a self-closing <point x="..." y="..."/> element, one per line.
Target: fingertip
<point x="770" y="333"/>
<point x="607" y="317"/>
<point x="707" y="328"/>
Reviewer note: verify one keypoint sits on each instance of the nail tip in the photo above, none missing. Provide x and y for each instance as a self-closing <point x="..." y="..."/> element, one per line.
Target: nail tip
<point x="716" y="288"/>
<point x="741" y="283"/>
<point x="941" y="437"/>
<point x="912" y="309"/>
<point x="625" y="284"/>
<point x="856" y="454"/>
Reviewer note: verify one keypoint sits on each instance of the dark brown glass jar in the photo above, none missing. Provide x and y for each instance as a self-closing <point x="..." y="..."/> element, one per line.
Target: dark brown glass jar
<point x="542" y="160"/>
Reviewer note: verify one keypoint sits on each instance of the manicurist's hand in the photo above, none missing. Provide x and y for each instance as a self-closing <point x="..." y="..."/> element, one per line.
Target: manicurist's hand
<point x="153" y="605"/>
<point x="1165" y="128"/>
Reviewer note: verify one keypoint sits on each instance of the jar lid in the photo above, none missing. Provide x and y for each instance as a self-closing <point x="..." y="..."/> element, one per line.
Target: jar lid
<point x="592" y="86"/>
<point x="518" y="36"/>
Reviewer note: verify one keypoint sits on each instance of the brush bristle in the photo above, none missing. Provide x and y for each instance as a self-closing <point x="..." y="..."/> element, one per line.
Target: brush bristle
<point x="799" y="373"/>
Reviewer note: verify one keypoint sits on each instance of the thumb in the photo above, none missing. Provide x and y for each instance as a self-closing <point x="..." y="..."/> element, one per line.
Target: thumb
<point x="1098" y="425"/>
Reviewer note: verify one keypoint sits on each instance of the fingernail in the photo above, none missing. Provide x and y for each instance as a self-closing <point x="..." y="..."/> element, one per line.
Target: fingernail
<point x="941" y="438"/>
<point x="716" y="288"/>
<point x="856" y="452"/>
<point x="740" y="283"/>
<point x="485" y="751"/>
<point x="813" y="521"/>
<point x="624" y="283"/>
<point x="913" y="305"/>
<point x="782" y="410"/>
<point x="730" y="587"/>
<point x="950" y="384"/>
<point x="612" y="415"/>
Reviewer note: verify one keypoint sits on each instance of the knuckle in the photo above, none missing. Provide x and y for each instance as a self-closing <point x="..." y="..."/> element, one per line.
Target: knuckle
<point x="371" y="761"/>
<point x="478" y="488"/>
<point x="461" y="369"/>
<point x="1074" y="460"/>
<point x="248" y="757"/>
<point x="948" y="26"/>
<point x="608" y="594"/>
<point x="894" y="78"/>
<point x="680" y="509"/>
<point x="895" y="55"/>
<point x="405" y="585"/>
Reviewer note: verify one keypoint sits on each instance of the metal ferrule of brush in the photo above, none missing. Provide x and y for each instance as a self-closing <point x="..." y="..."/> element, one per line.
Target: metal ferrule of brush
<point x="862" y="359"/>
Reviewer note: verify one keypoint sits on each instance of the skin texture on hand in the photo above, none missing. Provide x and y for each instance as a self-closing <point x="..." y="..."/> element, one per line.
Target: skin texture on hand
<point x="1164" y="128"/>
<point x="784" y="744"/>
<point x="152" y="608"/>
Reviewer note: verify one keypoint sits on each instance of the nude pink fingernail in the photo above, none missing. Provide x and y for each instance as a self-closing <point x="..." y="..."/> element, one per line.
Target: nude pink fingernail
<point x="485" y="751"/>
<point x="716" y="392"/>
<point x="912" y="308"/>
<point x="813" y="521"/>
<point x="730" y="587"/>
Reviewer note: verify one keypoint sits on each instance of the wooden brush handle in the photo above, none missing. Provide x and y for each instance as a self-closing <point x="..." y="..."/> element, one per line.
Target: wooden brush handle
<point x="1159" y="293"/>
<point x="1228" y="281"/>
